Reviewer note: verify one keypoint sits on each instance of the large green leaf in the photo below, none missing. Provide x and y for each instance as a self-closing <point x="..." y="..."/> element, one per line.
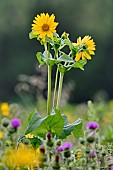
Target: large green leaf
<point x="80" y="64"/>
<point x="65" y="58"/>
<point x="53" y="123"/>
<point x="75" y="128"/>
<point x="40" y="126"/>
<point x="41" y="58"/>
<point x="34" y="119"/>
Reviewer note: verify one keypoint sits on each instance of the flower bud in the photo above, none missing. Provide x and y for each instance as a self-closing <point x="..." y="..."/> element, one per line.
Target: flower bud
<point x="42" y="149"/>
<point x="82" y="141"/>
<point x="67" y="153"/>
<point x="50" y="143"/>
<point x="49" y="136"/>
<point x="49" y="139"/>
<point x="57" y="158"/>
<point x="56" y="166"/>
<point x="91" y="138"/>
<point x="58" y="143"/>
<point x="5" y="122"/>
<point x="11" y="130"/>
<point x="87" y="151"/>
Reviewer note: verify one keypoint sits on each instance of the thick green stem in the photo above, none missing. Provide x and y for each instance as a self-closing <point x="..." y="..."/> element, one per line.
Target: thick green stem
<point x="55" y="89"/>
<point x="60" y="90"/>
<point x="49" y="90"/>
<point x="49" y="83"/>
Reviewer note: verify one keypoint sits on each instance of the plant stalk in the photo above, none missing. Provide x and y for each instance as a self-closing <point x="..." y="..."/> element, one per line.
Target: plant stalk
<point x="55" y="88"/>
<point x="60" y="90"/>
<point x="49" y="90"/>
<point x="49" y="83"/>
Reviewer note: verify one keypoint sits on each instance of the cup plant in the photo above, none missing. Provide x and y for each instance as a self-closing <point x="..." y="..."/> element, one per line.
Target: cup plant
<point x="45" y="134"/>
<point x="54" y="55"/>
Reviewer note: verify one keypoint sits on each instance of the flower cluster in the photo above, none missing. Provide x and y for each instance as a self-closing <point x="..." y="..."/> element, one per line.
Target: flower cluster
<point x="44" y="29"/>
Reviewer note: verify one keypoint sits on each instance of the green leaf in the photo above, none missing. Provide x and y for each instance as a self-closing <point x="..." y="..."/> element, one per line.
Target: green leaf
<point x="51" y="61"/>
<point x="31" y="35"/>
<point x="40" y="126"/>
<point x="63" y="68"/>
<point x="36" y="142"/>
<point x="21" y="137"/>
<point x="78" y="131"/>
<point x="33" y="119"/>
<point x="41" y="58"/>
<point x="75" y="128"/>
<point x="69" y="43"/>
<point x="65" y="58"/>
<point x="80" y="64"/>
<point x="31" y="114"/>
<point x="53" y="123"/>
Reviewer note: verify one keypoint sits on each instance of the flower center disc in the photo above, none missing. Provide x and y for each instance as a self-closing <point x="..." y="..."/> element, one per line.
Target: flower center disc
<point x="45" y="27"/>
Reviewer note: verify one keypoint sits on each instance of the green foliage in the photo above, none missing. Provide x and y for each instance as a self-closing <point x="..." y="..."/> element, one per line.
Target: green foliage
<point x="80" y="64"/>
<point x="108" y="134"/>
<point x="65" y="58"/>
<point x="40" y="126"/>
<point x="54" y="123"/>
<point x="75" y="128"/>
<point x="31" y="35"/>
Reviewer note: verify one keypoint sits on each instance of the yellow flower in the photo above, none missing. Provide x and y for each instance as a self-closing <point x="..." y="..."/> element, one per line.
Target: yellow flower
<point x="79" y="155"/>
<point x="4" y="109"/>
<point x="86" y="47"/>
<point x="22" y="157"/>
<point x="1" y="135"/>
<point x="44" y="25"/>
<point x="29" y="135"/>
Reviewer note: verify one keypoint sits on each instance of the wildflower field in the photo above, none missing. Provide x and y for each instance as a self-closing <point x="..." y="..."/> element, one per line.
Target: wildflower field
<point x="50" y="135"/>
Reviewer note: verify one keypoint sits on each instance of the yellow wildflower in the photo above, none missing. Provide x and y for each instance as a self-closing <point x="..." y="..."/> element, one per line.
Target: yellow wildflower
<point x="44" y="25"/>
<point x="79" y="155"/>
<point x="29" y="135"/>
<point x="22" y="157"/>
<point x="86" y="47"/>
<point x="4" y="109"/>
<point x="1" y="135"/>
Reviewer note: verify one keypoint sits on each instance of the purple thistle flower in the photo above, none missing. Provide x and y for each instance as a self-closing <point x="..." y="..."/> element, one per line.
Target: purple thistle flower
<point x="60" y="149"/>
<point x="92" y="154"/>
<point x="92" y="125"/>
<point x="66" y="145"/>
<point x="111" y="167"/>
<point x="15" y="123"/>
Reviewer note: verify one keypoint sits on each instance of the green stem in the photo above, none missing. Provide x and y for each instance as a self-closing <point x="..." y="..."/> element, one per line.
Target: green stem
<point x="60" y="90"/>
<point x="49" y="83"/>
<point x="55" y="89"/>
<point x="49" y="90"/>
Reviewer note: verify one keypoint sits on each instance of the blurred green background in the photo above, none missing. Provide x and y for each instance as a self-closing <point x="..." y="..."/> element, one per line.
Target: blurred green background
<point x="78" y="18"/>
